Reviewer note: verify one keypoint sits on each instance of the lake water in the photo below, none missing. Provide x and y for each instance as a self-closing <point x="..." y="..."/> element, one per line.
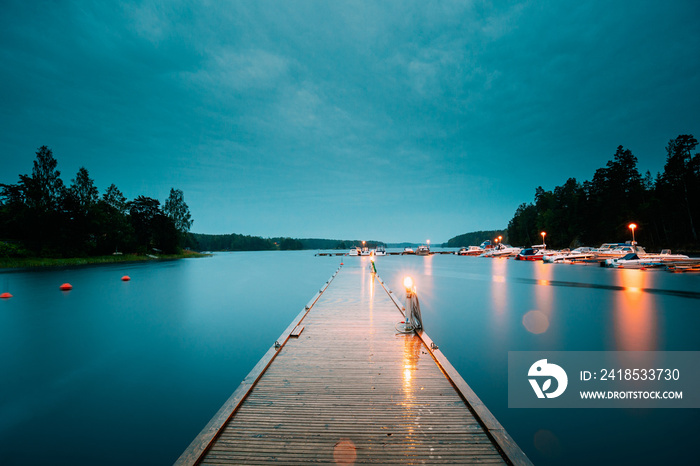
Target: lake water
<point x="119" y="372"/>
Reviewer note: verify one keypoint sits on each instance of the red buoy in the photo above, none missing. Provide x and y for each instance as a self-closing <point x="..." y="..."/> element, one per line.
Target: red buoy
<point x="126" y="278"/>
<point x="66" y="287"/>
<point x="5" y="296"/>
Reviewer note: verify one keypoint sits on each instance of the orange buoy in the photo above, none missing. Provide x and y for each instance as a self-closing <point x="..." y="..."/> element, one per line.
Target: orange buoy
<point x="66" y="287"/>
<point x="126" y="278"/>
<point x="5" y="296"/>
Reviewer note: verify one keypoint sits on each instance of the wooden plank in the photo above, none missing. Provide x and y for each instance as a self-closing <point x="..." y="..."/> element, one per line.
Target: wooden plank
<point x="200" y="444"/>
<point x="508" y="447"/>
<point x="351" y="384"/>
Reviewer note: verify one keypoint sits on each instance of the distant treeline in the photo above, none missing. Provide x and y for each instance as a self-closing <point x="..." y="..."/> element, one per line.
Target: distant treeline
<point x="474" y="238"/>
<point x="235" y="242"/>
<point x="665" y="208"/>
<point x="40" y="216"/>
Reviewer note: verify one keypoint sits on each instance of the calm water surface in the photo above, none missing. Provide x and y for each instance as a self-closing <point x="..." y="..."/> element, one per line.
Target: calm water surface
<point x="129" y="372"/>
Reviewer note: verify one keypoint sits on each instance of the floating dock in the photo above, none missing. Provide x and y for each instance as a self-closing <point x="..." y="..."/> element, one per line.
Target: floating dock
<point x="343" y="386"/>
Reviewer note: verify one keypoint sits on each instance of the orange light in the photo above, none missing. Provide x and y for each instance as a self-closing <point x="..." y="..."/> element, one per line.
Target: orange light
<point x="408" y="283"/>
<point x="632" y="226"/>
<point x="543" y="234"/>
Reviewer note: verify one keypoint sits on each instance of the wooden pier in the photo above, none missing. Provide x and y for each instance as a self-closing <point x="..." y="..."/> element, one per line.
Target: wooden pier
<point x="343" y="386"/>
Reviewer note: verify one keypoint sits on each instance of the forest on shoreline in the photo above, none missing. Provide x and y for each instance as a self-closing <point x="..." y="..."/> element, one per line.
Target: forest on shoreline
<point x="42" y="217"/>
<point x="665" y="208"/>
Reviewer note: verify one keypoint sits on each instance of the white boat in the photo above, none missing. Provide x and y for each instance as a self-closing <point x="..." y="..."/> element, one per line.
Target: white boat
<point x="471" y="251"/>
<point x="535" y="253"/>
<point x="617" y="250"/>
<point x="635" y="261"/>
<point x="408" y="251"/>
<point x="502" y="250"/>
<point x="354" y="252"/>
<point x="578" y="254"/>
<point x="666" y="256"/>
<point x="380" y="251"/>
<point x="365" y="251"/>
<point x="423" y="251"/>
<point x="631" y="261"/>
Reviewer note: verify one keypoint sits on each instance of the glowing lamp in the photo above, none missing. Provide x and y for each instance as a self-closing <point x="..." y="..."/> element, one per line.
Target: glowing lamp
<point x="543" y="235"/>
<point x="632" y="226"/>
<point x="408" y="283"/>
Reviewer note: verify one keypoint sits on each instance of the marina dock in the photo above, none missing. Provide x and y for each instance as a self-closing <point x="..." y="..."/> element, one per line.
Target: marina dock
<point x="342" y="386"/>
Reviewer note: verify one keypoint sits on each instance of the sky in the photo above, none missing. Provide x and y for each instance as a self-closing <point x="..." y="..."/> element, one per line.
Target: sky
<point x="390" y="121"/>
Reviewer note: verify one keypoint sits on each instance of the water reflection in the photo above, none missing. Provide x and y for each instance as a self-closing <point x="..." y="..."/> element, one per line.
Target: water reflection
<point x="499" y="295"/>
<point x="428" y="264"/>
<point x="634" y="317"/>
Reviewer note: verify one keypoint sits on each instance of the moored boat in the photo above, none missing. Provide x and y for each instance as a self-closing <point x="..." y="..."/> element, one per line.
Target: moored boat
<point x="578" y="254"/>
<point x="631" y="261"/>
<point x="502" y="250"/>
<point x="423" y="251"/>
<point x="617" y="250"/>
<point x="470" y="251"/>
<point x="530" y="254"/>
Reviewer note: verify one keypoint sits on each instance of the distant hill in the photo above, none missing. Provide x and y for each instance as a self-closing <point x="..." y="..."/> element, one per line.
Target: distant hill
<point x="318" y="243"/>
<point x="232" y="242"/>
<point x="403" y="245"/>
<point x="474" y="238"/>
<point x="236" y="242"/>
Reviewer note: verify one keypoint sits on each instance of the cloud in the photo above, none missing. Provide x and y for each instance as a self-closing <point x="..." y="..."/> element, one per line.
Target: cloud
<point x="227" y="69"/>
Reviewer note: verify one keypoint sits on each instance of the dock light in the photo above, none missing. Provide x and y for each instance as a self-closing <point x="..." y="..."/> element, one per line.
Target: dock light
<point x="412" y="317"/>
<point x="500" y="238"/>
<point x="408" y="284"/>
<point x="632" y="226"/>
<point x="543" y="235"/>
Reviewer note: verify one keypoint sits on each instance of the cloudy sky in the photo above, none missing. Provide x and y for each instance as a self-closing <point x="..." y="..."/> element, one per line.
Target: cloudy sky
<point x="397" y="121"/>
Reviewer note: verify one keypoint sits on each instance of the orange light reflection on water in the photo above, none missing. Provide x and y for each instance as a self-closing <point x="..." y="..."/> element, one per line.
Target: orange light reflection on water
<point x="634" y="319"/>
<point x="499" y="296"/>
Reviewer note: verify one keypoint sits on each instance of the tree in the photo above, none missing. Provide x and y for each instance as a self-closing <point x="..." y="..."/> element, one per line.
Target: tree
<point x="142" y="212"/>
<point x="84" y="190"/>
<point x="290" y="244"/>
<point x="682" y="176"/>
<point x="114" y="198"/>
<point x="177" y="210"/>
<point x="44" y="188"/>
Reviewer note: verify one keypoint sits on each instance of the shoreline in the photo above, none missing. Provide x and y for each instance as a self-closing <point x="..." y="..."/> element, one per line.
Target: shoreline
<point x="16" y="263"/>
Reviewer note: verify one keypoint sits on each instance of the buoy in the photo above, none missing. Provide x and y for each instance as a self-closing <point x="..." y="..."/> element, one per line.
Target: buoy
<point x="126" y="278"/>
<point x="5" y="296"/>
<point x="66" y="287"/>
